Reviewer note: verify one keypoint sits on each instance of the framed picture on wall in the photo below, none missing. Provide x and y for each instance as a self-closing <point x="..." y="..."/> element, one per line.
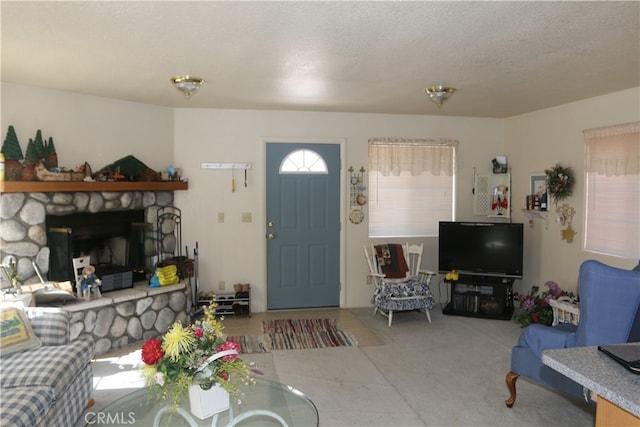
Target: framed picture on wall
<point x="538" y="185"/>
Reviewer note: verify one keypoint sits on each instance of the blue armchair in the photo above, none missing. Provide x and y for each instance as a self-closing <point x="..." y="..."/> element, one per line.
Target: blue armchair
<point x="609" y="314"/>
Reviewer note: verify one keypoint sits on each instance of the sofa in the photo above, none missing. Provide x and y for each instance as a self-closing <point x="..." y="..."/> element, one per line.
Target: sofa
<point x="48" y="382"/>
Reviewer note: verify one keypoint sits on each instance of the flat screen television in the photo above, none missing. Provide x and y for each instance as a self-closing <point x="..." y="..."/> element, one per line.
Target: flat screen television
<point x="481" y="248"/>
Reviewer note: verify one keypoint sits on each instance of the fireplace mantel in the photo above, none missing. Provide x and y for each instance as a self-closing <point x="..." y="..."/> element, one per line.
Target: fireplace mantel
<point x="66" y="186"/>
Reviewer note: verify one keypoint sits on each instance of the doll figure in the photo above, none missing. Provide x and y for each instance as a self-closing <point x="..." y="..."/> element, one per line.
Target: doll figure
<point x="90" y="282"/>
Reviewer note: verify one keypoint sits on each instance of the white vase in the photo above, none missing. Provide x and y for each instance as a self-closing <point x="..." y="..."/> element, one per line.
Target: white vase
<point x="205" y="403"/>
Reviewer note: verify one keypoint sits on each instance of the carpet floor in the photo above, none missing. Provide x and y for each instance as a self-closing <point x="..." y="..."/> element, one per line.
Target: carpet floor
<point x="446" y="373"/>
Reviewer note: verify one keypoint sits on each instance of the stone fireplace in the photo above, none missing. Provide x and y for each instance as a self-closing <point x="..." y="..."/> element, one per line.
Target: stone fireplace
<point x="120" y="317"/>
<point x="28" y="218"/>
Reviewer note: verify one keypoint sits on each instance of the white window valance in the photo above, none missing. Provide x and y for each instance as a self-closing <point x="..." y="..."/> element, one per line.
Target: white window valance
<point x="613" y="150"/>
<point x="394" y="155"/>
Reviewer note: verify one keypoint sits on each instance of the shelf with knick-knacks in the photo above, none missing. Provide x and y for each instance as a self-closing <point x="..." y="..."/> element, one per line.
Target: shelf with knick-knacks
<point x="492" y="195"/>
<point x="535" y="214"/>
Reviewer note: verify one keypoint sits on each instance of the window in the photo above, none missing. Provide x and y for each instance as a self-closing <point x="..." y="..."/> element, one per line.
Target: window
<point x="612" y="167"/>
<point x="303" y="161"/>
<point x="411" y="186"/>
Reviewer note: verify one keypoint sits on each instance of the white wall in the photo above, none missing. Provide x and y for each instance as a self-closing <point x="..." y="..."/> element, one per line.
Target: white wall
<point x="537" y="141"/>
<point x="101" y="130"/>
<point x="89" y="128"/>
<point x="234" y="252"/>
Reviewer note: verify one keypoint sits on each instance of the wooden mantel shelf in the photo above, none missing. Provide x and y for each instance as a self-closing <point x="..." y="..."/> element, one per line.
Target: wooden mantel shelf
<point x="66" y="186"/>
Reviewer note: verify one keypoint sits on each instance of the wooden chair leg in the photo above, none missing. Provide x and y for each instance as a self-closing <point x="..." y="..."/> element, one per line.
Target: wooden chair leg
<point x="390" y="317"/>
<point x="511" y="385"/>
<point x="426" y="310"/>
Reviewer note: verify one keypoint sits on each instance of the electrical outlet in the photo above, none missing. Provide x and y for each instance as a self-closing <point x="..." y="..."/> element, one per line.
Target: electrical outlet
<point x="369" y="281"/>
<point x="246" y="216"/>
<point x="220" y="216"/>
<point x="221" y="285"/>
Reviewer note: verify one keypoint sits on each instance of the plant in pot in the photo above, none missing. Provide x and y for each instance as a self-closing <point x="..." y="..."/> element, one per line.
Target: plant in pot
<point x="197" y="359"/>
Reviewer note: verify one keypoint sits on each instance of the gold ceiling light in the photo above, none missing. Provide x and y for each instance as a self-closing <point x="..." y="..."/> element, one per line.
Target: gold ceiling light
<point x="440" y="94"/>
<point x="188" y="85"/>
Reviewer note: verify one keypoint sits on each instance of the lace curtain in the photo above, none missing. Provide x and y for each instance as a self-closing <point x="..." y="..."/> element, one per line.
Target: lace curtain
<point x="613" y="150"/>
<point x="394" y="155"/>
<point x="612" y="195"/>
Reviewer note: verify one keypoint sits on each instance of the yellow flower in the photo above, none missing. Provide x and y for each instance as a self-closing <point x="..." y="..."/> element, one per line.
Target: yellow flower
<point x="148" y="373"/>
<point x="178" y="341"/>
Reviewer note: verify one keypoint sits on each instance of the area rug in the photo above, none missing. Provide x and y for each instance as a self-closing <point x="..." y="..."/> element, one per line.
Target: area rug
<point x="251" y="343"/>
<point x="294" y="334"/>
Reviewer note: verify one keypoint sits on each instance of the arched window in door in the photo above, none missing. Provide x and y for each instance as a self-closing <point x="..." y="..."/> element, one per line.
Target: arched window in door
<point x="303" y="161"/>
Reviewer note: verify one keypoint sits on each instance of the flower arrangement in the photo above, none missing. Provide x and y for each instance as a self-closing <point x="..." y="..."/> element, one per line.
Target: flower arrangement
<point x="560" y="181"/>
<point x="198" y="354"/>
<point x="536" y="305"/>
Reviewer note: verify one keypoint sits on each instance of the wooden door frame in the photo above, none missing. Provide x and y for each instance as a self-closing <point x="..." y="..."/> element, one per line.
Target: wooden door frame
<point x="343" y="206"/>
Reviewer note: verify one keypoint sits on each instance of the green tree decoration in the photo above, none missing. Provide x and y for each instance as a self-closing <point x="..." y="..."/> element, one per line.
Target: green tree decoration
<point x="12" y="154"/>
<point x="31" y="155"/>
<point x="39" y="146"/>
<point x="11" y="147"/>
<point x="30" y="160"/>
<point x="51" y="158"/>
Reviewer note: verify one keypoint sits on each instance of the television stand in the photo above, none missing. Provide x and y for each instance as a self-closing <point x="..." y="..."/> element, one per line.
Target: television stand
<point x="487" y="297"/>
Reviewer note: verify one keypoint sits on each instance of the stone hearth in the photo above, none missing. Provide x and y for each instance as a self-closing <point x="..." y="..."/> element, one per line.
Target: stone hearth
<point x="127" y="316"/>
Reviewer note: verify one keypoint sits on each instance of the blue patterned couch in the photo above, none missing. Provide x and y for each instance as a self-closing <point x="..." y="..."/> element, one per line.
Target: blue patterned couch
<point x="50" y="385"/>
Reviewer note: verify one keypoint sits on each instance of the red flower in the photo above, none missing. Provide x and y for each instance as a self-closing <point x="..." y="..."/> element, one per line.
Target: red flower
<point x="198" y="333"/>
<point x="224" y="376"/>
<point x="535" y="318"/>
<point x="152" y="351"/>
<point x="229" y="345"/>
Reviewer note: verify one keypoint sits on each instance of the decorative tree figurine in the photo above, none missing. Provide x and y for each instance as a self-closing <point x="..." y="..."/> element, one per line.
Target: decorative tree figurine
<point x="38" y="143"/>
<point x="51" y="158"/>
<point x="12" y="154"/>
<point x="30" y="160"/>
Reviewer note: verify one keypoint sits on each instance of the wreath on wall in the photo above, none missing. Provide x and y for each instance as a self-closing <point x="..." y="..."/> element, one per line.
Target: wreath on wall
<point x="560" y="182"/>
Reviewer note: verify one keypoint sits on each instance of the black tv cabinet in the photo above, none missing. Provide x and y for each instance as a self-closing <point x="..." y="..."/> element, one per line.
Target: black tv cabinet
<point x="488" y="297"/>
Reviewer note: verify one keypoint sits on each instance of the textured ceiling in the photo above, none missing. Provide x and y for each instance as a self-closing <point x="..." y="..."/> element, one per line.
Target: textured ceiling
<point x="505" y="58"/>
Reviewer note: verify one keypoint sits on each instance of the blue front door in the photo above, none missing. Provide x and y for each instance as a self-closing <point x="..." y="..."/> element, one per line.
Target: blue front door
<point x="303" y="225"/>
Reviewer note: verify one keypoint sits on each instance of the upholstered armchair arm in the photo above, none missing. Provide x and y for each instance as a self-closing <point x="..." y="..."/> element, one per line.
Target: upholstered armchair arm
<point x="51" y="325"/>
<point x="540" y="338"/>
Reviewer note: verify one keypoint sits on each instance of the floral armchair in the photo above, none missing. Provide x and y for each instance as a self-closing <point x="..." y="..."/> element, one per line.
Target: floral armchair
<point x="400" y="283"/>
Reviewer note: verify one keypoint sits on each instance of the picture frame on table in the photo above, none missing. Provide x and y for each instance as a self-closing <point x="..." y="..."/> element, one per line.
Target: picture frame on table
<point x="538" y="184"/>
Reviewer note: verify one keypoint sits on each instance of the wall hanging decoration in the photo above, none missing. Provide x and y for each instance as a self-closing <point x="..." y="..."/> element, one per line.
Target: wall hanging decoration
<point x="560" y="182"/>
<point x="565" y="216"/>
<point x="357" y="195"/>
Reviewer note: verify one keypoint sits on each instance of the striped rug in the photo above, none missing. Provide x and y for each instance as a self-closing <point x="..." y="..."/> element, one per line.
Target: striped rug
<point x="251" y="343"/>
<point x="294" y="334"/>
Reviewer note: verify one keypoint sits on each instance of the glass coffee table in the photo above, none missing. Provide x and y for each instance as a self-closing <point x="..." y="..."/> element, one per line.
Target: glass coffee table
<point x="266" y="403"/>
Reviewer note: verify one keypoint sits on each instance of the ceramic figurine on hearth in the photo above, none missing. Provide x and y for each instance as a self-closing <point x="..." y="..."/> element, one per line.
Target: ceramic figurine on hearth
<point x="89" y="286"/>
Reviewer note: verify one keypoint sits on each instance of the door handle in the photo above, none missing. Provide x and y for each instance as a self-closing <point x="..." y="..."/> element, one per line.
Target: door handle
<point x="271" y="236"/>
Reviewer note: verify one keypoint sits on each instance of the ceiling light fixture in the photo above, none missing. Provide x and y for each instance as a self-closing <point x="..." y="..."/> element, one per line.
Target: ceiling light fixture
<point x="440" y="94"/>
<point x="188" y="85"/>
